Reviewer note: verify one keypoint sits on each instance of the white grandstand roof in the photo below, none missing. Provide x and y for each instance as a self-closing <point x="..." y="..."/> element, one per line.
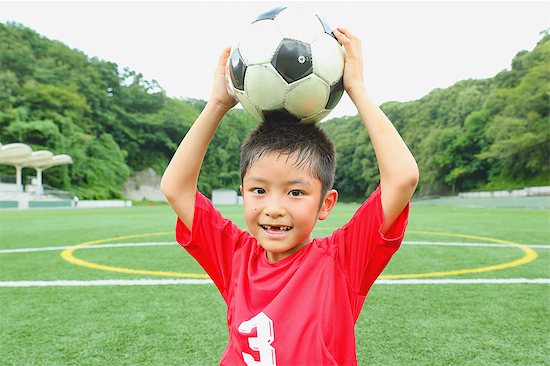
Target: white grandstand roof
<point x="21" y="155"/>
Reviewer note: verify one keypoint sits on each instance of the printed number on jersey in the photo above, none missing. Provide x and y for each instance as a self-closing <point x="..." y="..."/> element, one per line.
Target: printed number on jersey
<point x="262" y="342"/>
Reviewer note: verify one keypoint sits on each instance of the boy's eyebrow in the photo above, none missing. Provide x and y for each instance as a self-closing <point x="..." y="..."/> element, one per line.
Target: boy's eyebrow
<point x="257" y="179"/>
<point x="290" y="182"/>
<point x="299" y="181"/>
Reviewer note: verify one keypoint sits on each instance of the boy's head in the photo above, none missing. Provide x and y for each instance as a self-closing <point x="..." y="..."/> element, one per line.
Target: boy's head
<point x="310" y="147"/>
<point x="287" y="173"/>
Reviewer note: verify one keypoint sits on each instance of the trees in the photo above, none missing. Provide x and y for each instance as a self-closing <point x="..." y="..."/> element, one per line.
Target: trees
<point x="519" y="133"/>
<point x="112" y="122"/>
<point x="476" y="134"/>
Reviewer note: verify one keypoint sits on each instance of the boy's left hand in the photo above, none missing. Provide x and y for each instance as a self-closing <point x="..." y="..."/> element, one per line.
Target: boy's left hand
<point x="353" y="69"/>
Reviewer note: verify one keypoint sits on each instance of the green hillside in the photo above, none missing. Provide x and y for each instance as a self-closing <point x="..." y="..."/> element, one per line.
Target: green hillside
<point x="477" y="134"/>
<point x="491" y="133"/>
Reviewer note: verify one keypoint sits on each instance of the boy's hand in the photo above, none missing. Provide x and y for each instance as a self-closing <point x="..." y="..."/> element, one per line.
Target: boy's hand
<point x="353" y="69"/>
<point x="220" y="95"/>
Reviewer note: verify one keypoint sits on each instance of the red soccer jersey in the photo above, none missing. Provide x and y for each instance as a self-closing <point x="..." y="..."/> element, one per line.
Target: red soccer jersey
<point x="301" y="310"/>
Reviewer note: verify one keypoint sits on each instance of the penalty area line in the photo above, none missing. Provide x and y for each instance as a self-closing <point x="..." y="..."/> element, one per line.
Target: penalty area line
<point x="151" y="282"/>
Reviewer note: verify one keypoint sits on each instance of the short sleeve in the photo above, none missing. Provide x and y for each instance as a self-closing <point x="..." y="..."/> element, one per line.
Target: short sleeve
<point x="212" y="241"/>
<point x="359" y="247"/>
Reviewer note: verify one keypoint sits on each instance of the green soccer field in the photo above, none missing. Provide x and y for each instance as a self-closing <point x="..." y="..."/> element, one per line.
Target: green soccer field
<point x="468" y="287"/>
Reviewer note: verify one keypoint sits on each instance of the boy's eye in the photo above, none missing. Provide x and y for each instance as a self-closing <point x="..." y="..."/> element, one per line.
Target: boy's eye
<point x="295" y="193"/>
<point x="258" y="190"/>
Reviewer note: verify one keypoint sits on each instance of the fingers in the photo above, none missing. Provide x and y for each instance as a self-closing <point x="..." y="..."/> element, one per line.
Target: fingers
<point x="222" y="60"/>
<point x="351" y="43"/>
<point x="224" y="55"/>
<point x="344" y="35"/>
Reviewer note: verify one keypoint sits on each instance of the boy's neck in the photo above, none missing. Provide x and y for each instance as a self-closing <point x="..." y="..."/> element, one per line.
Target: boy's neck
<point x="276" y="257"/>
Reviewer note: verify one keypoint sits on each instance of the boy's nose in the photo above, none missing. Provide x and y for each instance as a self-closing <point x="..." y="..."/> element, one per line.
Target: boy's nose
<point x="274" y="209"/>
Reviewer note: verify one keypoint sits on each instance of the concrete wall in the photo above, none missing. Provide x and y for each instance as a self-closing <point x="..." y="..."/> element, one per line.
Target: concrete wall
<point x="144" y="185"/>
<point x="224" y="197"/>
<point x="103" y="203"/>
<point x="525" y="192"/>
<point x="10" y="187"/>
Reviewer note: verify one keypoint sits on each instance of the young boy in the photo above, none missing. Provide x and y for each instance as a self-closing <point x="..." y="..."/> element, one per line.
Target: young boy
<point x="291" y="299"/>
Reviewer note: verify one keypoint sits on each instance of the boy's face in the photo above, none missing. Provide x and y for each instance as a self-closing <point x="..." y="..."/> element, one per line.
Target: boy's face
<point x="282" y="203"/>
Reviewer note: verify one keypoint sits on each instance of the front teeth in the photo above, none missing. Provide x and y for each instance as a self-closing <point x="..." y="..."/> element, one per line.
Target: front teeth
<point x="279" y="228"/>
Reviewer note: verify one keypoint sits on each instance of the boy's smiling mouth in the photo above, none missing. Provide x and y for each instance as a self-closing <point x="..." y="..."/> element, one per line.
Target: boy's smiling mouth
<point x="275" y="229"/>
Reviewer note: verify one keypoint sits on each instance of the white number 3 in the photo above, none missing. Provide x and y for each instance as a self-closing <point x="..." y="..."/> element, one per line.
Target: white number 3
<point x="262" y="341"/>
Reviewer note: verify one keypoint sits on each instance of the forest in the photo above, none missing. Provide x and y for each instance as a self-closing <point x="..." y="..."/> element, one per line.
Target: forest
<point x="474" y="135"/>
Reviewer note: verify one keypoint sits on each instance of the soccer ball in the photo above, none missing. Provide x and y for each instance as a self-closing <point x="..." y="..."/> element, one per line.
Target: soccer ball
<point x="287" y="67"/>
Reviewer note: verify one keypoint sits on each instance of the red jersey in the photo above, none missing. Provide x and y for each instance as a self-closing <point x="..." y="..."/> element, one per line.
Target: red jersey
<point x="301" y="310"/>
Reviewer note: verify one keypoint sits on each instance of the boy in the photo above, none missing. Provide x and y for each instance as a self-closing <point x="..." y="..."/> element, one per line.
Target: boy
<point x="291" y="299"/>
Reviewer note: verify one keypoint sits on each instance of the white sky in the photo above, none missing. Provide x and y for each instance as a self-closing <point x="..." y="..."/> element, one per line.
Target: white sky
<point x="409" y="47"/>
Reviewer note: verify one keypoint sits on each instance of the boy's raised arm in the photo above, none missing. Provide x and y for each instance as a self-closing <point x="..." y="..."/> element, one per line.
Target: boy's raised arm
<point x="398" y="169"/>
<point x="179" y="182"/>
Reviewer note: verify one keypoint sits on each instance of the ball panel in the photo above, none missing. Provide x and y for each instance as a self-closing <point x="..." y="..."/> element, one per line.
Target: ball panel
<point x="316" y="117"/>
<point x="237" y="69"/>
<point x="336" y="92"/>
<point x="328" y="59"/>
<point x="228" y="82"/>
<point x="299" y="24"/>
<point x="248" y="105"/>
<point x="260" y="42"/>
<point x="270" y="14"/>
<point x="265" y="87"/>
<point x="280" y="116"/>
<point x="293" y="60"/>
<point x="307" y="96"/>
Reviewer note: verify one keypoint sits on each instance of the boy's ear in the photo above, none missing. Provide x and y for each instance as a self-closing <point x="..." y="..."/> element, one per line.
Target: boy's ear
<point x="328" y="204"/>
<point x="241" y="189"/>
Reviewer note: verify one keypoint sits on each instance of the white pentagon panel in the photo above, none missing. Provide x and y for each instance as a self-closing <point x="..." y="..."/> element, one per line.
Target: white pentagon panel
<point x="307" y="96"/>
<point x="265" y="87"/>
<point x="328" y="59"/>
<point x="260" y="42"/>
<point x="248" y="105"/>
<point x="316" y="117"/>
<point x="299" y="24"/>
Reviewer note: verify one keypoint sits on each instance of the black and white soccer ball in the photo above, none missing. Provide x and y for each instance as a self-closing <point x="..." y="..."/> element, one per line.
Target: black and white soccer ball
<point x="288" y="66"/>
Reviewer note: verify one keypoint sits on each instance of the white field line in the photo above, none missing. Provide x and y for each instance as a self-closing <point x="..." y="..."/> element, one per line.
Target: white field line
<point x="98" y="246"/>
<point x="64" y="283"/>
<point x="147" y="282"/>
<point x="466" y="281"/>
<point x="163" y="243"/>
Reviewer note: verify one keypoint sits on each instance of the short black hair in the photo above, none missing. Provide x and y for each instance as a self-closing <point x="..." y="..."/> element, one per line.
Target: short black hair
<point x="314" y="149"/>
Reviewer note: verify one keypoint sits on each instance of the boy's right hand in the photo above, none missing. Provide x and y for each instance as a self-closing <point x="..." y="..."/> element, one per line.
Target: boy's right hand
<point x="220" y="95"/>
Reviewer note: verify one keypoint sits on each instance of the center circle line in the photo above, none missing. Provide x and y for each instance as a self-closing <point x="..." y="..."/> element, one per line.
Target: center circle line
<point x="530" y="255"/>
